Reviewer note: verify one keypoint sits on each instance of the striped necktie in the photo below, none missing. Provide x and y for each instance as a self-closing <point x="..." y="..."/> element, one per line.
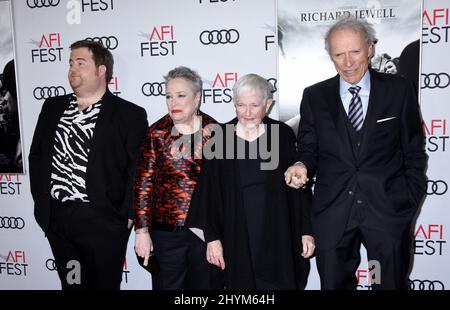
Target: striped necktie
<point x="355" y="110"/>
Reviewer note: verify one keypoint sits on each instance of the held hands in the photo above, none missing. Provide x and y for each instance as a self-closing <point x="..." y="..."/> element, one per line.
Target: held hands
<point x="143" y="244"/>
<point x="308" y="246"/>
<point x="214" y="254"/>
<point x="296" y="176"/>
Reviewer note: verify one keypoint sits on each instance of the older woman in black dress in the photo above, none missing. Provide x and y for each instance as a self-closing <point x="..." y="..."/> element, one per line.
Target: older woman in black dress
<point x="257" y="229"/>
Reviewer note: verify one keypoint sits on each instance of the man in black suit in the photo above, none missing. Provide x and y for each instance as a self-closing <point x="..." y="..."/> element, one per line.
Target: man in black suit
<point x="361" y="135"/>
<point x="82" y="164"/>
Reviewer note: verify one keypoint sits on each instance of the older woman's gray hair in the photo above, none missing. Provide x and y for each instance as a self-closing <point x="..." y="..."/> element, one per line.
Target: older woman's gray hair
<point x="351" y="23"/>
<point x="189" y="75"/>
<point x="253" y="82"/>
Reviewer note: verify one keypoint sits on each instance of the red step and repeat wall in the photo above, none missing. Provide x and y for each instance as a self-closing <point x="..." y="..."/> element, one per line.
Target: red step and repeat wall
<point x="222" y="40"/>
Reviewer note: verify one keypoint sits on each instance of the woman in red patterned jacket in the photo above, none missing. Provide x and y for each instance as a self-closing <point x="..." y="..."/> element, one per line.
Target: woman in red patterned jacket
<point x="165" y="180"/>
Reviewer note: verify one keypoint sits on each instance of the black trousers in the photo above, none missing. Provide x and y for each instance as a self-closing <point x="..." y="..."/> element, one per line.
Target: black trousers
<point x="390" y="254"/>
<point x="89" y="246"/>
<point x="182" y="260"/>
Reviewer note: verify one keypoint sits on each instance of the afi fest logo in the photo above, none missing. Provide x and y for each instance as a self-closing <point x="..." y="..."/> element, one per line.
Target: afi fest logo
<point x="429" y="239"/>
<point x="435" y="135"/>
<point x="161" y="41"/>
<point x="14" y="263"/>
<point x="369" y="276"/>
<point x="269" y="40"/>
<point x="77" y="7"/>
<point x="10" y="184"/>
<point x="49" y="48"/>
<point x="96" y="5"/>
<point x="45" y="92"/>
<point x="220" y="88"/>
<point x="113" y="86"/>
<point x="435" y="26"/>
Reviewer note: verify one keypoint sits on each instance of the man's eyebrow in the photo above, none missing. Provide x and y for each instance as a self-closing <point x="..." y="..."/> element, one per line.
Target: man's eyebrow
<point x="79" y="58"/>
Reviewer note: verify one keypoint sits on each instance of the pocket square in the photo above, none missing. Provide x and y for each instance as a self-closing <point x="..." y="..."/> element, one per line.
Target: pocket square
<point x="386" y="119"/>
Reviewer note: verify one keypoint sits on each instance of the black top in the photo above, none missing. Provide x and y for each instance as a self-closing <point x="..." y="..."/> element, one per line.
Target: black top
<point x="227" y="205"/>
<point x="253" y="185"/>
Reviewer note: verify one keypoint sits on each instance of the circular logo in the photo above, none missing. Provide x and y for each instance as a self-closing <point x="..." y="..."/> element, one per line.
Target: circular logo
<point x="45" y="92"/>
<point x="32" y="4"/>
<point x="223" y="36"/>
<point x="153" y="89"/>
<point x="8" y="222"/>
<point x="110" y="42"/>
<point x="50" y="264"/>
<point x="426" y="285"/>
<point x="435" y="80"/>
<point x="438" y="187"/>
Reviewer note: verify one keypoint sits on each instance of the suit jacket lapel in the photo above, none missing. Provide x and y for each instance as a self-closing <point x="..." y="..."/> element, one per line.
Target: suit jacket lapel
<point x="371" y="115"/>
<point x="106" y="112"/>
<point x="335" y="108"/>
<point x="59" y="107"/>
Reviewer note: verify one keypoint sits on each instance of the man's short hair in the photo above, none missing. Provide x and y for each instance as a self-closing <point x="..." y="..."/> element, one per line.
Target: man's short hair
<point x="100" y="54"/>
<point x="357" y="25"/>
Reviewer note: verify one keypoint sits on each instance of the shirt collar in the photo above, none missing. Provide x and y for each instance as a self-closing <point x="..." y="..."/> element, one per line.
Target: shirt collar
<point x="364" y="84"/>
<point x="74" y="104"/>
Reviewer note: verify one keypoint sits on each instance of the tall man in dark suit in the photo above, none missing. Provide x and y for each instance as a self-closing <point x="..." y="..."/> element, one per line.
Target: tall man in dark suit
<point x="361" y="135"/>
<point x="82" y="163"/>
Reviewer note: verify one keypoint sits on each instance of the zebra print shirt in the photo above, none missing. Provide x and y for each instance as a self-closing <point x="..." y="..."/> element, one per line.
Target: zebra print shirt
<point x="71" y="149"/>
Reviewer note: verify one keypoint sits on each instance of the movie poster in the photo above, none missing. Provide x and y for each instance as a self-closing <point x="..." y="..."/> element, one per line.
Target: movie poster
<point x="10" y="142"/>
<point x="303" y="61"/>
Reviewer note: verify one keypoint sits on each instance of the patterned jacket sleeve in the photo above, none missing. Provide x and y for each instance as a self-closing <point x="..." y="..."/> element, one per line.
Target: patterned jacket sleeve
<point x="144" y="183"/>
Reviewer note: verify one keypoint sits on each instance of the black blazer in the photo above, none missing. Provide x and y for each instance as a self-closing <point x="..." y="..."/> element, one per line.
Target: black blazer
<point x="119" y="131"/>
<point x="389" y="169"/>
